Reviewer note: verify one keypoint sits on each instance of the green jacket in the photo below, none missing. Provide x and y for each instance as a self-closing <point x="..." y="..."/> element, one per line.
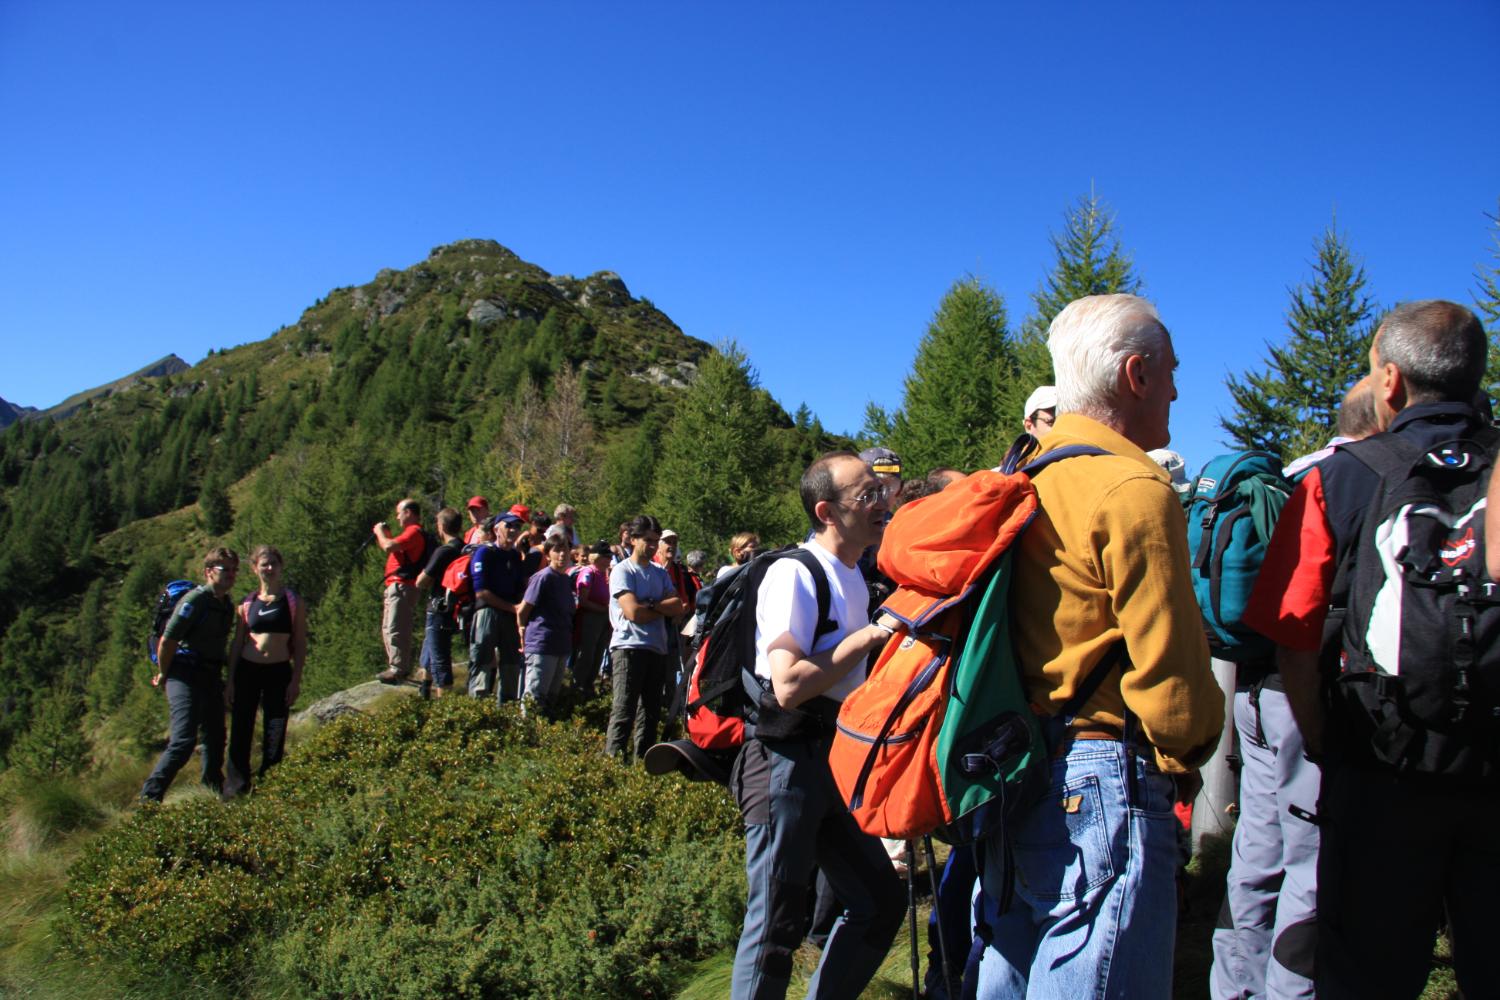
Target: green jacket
<point x="201" y="624"/>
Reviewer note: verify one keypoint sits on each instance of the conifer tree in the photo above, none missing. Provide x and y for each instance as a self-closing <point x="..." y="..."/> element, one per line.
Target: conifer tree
<point x="949" y="411"/>
<point x="213" y="501"/>
<point x="711" y="478"/>
<point x="1291" y="405"/>
<point x="1487" y="301"/>
<point x="1088" y="261"/>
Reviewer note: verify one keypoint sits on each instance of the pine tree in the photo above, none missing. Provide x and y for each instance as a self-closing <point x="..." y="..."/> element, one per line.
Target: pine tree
<point x="1487" y="301"/>
<point x="711" y="474"/>
<point x="1291" y="406"/>
<point x="948" y="413"/>
<point x="1089" y="261"/>
<point x="213" y="501"/>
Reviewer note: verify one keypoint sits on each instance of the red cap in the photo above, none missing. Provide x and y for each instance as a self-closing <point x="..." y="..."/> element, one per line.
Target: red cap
<point x="521" y="510"/>
<point x="478" y="502"/>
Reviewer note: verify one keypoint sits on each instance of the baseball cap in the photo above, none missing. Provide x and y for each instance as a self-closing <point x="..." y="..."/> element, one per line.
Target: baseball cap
<point x="1043" y="397"/>
<point x="520" y="510"/>
<point x="667" y="533"/>
<point x="477" y="502"/>
<point x="506" y="518"/>
<point x="884" y="461"/>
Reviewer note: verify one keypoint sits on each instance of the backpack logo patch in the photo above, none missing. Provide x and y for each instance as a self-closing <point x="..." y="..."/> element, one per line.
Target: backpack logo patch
<point x="1449" y="458"/>
<point x="1455" y="552"/>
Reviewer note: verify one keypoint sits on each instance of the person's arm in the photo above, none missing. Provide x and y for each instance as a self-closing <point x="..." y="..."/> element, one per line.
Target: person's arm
<point x="797" y="678"/>
<point x="636" y="611"/>
<point x="166" y="650"/>
<point x="1302" y="680"/>
<point x="1140" y="546"/>
<point x="383" y="536"/>
<point x="584" y="602"/>
<point x="523" y="614"/>
<point x="299" y="654"/>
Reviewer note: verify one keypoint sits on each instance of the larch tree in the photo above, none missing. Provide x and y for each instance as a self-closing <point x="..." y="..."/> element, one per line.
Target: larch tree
<point x="949" y="412"/>
<point x="1088" y="260"/>
<point x="711" y="478"/>
<point x="1290" y="406"/>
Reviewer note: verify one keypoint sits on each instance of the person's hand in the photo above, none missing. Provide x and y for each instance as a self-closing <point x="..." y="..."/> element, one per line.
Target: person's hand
<point x="228" y="695"/>
<point x="156" y="679"/>
<point x="292" y="690"/>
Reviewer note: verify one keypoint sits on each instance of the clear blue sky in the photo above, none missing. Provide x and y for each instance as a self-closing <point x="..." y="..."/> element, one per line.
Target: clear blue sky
<point x="805" y="178"/>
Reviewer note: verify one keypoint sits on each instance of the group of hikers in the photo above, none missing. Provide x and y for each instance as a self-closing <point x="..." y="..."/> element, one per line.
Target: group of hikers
<point x="1366" y="702"/>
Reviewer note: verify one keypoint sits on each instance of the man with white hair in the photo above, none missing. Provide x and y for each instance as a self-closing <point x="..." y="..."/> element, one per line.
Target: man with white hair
<point x="1102" y="584"/>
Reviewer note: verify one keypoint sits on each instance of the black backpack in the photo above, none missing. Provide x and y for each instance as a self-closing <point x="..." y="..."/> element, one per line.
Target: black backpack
<point x="409" y="570"/>
<point x="726" y="700"/>
<point x="166" y="603"/>
<point x="1421" y="672"/>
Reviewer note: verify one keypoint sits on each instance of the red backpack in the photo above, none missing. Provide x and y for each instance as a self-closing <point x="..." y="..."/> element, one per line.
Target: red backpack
<point x="458" y="580"/>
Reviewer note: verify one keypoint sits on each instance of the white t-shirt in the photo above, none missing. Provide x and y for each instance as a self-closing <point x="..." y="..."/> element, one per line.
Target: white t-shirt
<point x="788" y="602"/>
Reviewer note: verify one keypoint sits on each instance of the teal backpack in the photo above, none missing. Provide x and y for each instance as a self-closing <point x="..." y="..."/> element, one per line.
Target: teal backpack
<point x="1231" y="512"/>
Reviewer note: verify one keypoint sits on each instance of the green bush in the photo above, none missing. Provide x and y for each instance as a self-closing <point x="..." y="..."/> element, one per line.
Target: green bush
<point x="434" y="849"/>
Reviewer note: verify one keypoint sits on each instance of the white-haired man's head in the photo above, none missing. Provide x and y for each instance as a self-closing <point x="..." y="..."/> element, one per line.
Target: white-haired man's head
<point x="1092" y="342"/>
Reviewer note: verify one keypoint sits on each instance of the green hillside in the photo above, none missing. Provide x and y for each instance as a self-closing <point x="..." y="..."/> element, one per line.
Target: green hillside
<point x="470" y="372"/>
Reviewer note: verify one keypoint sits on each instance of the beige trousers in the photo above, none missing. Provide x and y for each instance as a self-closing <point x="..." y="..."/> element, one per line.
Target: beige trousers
<point x="396" y="625"/>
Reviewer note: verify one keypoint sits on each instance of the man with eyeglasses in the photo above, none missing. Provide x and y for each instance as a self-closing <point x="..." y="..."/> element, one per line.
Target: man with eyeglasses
<point x="642" y="601"/>
<point x="794" y="817"/>
<point x="498" y="574"/>
<point x="188" y="660"/>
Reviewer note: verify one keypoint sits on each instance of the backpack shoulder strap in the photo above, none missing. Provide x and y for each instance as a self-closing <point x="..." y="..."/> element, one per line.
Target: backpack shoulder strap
<point x="820" y="584"/>
<point x="1069" y="451"/>
<point x="1386" y="454"/>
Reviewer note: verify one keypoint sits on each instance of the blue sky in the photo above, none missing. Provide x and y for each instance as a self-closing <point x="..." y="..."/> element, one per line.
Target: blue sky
<point x="807" y="179"/>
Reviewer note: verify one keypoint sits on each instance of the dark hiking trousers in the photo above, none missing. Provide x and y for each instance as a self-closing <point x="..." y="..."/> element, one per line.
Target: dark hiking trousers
<point x="196" y="697"/>
<point x="257" y="686"/>
<point x="1397" y="854"/>
<point x="635" y="709"/>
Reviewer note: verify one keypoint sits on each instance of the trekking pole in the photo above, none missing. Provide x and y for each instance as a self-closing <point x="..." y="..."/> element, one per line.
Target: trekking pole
<point x="911" y="908"/>
<point x="937" y="911"/>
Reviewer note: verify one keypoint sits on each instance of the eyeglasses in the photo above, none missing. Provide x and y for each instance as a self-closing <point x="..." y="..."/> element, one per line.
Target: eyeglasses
<point x="225" y="568"/>
<point x="869" y="497"/>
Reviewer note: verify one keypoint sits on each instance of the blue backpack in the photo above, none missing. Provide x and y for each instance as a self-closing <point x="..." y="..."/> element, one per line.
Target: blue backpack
<point x="166" y="603"/>
<point x="1231" y="512"/>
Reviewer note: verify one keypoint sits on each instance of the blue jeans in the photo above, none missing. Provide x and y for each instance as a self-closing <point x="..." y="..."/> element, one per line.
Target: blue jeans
<point x="795" y="818"/>
<point x="1095" y="907"/>
<point x="196" y="697"/>
<point x="437" y="649"/>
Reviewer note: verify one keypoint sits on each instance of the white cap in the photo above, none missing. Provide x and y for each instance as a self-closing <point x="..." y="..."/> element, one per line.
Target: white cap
<point x="1043" y="397"/>
<point x="668" y="533"/>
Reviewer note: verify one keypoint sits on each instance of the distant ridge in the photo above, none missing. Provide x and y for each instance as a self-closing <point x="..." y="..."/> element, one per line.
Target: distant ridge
<point x="169" y="365"/>
<point x="11" y="412"/>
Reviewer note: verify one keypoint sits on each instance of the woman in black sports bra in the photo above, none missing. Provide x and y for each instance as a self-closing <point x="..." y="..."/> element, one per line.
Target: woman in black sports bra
<point x="265" y="669"/>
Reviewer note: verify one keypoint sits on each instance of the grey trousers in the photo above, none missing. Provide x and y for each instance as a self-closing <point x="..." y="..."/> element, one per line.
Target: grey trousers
<point x="1267" y="932"/>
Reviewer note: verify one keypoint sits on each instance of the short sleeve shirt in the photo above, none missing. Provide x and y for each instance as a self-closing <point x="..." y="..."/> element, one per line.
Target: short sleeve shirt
<point x="593" y="584"/>
<point x="549" y="630"/>
<point x="499" y="571"/>
<point x="405" y="553"/>
<point x="787" y="602"/>
<point x="648" y="583"/>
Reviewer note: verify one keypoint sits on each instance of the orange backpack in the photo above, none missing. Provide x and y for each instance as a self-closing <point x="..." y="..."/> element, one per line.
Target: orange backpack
<point x="940" y="737"/>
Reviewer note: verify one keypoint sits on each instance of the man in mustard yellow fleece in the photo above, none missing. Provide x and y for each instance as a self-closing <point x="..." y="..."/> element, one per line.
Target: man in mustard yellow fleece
<point x="1102" y="584"/>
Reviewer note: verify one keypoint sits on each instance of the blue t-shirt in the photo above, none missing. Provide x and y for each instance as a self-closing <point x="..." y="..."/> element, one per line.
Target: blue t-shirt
<point x="499" y="571"/>
<point x="549" y="630"/>
<point x="648" y="583"/>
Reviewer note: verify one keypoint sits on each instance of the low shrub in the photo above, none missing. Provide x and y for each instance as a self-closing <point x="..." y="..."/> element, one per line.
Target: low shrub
<point x="433" y="849"/>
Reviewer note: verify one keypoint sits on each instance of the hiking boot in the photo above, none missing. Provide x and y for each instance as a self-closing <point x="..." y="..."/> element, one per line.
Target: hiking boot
<point x="391" y="676"/>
